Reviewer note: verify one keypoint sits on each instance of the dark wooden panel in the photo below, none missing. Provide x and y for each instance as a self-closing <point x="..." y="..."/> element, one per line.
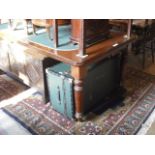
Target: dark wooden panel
<point x="95" y="30"/>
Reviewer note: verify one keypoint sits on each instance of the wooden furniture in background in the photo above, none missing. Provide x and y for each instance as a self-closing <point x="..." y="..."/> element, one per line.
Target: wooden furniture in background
<point x="120" y="24"/>
<point x="144" y="30"/>
<point x="48" y="23"/>
<point x="145" y="41"/>
<point x="95" y="31"/>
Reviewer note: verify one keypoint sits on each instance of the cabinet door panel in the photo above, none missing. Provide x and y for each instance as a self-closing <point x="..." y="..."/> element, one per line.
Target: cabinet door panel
<point x="34" y="71"/>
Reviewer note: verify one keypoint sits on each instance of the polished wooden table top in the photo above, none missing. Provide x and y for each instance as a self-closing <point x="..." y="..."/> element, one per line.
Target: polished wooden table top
<point x="94" y="53"/>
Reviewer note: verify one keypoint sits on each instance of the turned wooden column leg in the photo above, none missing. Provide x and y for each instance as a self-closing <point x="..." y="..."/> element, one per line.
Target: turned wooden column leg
<point x="78" y="94"/>
<point x="79" y="74"/>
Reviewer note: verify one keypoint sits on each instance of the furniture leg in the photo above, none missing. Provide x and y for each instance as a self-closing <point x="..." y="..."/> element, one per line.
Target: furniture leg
<point x="79" y="74"/>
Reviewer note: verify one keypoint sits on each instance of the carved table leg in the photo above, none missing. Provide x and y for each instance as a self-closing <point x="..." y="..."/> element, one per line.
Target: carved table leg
<point x="78" y="92"/>
<point x="79" y="74"/>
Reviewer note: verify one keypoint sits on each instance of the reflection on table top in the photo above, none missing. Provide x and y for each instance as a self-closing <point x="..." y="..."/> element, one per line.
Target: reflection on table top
<point x="95" y="52"/>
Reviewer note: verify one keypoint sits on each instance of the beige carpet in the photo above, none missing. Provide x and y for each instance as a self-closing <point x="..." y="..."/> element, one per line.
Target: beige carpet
<point x="151" y="130"/>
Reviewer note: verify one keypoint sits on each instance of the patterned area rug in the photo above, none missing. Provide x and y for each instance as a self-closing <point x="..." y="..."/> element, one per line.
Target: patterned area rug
<point x="42" y="119"/>
<point x="136" y="115"/>
<point x="9" y="87"/>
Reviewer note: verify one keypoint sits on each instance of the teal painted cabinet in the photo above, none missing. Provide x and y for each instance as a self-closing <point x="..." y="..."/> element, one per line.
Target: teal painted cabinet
<point x="102" y="79"/>
<point x="60" y="86"/>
